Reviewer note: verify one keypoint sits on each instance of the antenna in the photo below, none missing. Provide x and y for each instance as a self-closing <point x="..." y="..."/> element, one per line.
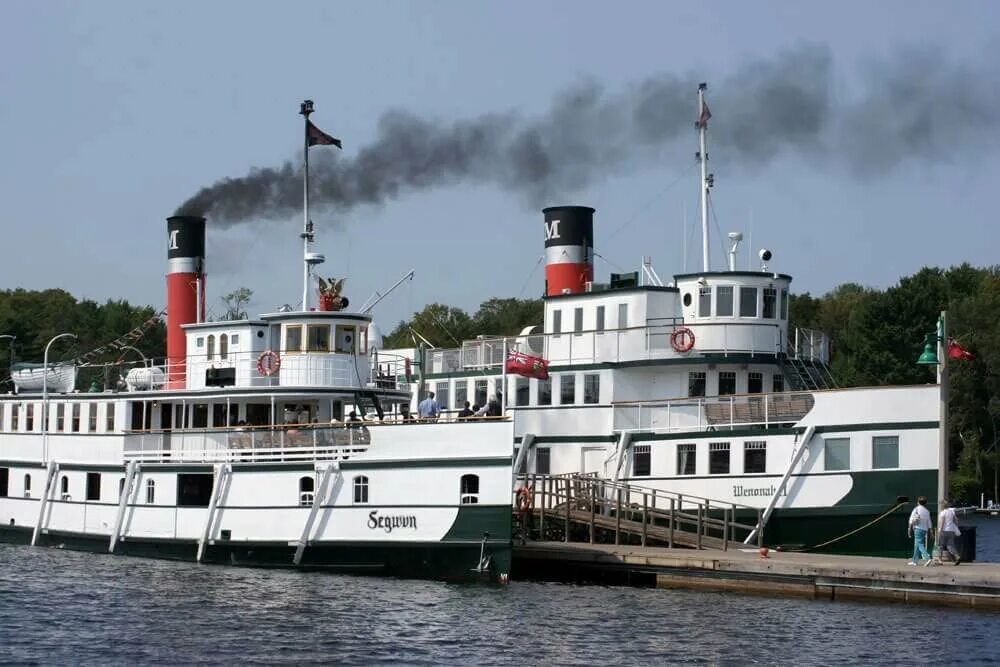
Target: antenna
<point x="707" y="180"/>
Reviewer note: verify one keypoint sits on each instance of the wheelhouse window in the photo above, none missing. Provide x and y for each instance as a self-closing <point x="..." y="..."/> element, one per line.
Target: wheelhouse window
<point x="599" y="324"/>
<point x="885" y="452"/>
<point x="641" y="463"/>
<point x="543" y="460"/>
<point x="15" y="417"/>
<point x="578" y="319"/>
<point x="704" y="302"/>
<point x="223" y="346"/>
<point x="622" y="315"/>
<point x="307" y="488"/>
<point x="784" y="303"/>
<point x="318" y="338"/>
<point x="109" y="417"/>
<point x="696" y="383"/>
<point x="293" y="338"/>
<point x="545" y="391"/>
<point x="360" y="490"/>
<point x="210" y="353"/>
<point x="557" y="321"/>
<point x="718" y="458"/>
<point x="60" y="417"/>
<point x="770" y="302"/>
<point x="727" y="383"/>
<point x="92" y="417"/>
<point x="469" y="490"/>
<point x="748" y="302"/>
<point x="93" y="486"/>
<point x="521" y="391"/>
<point x="755" y="383"/>
<point x="755" y="457"/>
<point x="685" y="459"/>
<point x="29" y="417"/>
<point x="724" y="301"/>
<point x="75" y="419"/>
<point x="837" y="454"/>
<point x="150" y="491"/>
<point x="591" y="388"/>
<point x="344" y="343"/>
<point x="567" y="389"/>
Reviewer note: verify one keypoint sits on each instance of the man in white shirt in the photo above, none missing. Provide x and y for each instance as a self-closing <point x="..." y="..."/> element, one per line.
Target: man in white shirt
<point x="948" y="531"/>
<point x="920" y="529"/>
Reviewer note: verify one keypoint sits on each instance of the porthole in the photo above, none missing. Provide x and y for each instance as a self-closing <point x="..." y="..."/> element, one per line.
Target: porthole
<point x="687" y="299"/>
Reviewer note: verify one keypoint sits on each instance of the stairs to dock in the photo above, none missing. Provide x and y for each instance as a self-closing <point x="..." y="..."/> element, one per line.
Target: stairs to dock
<point x="587" y="508"/>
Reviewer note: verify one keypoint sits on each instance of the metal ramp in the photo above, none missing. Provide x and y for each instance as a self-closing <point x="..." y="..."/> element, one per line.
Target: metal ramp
<point x="51" y="472"/>
<point x="129" y="490"/>
<point x="220" y="482"/>
<point x="587" y="508"/>
<point x="322" y="491"/>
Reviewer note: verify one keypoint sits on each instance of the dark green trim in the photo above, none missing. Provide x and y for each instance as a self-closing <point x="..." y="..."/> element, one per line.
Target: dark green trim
<point x="428" y="463"/>
<point x="725" y="274"/>
<point x="877" y="426"/>
<point x="719" y="434"/>
<point x="570" y="439"/>
<point x="473" y="521"/>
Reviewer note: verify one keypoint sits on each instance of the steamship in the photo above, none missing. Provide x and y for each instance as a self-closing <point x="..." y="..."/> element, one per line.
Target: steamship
<point x="701" y="387"/>
<point x="261" y="442"/>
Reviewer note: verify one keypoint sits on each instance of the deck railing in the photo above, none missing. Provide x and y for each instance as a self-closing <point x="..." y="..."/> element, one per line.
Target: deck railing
<point x="700" y="414"/>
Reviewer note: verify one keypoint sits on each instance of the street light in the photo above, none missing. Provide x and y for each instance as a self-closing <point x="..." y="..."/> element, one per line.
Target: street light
<point x="935" y="354"/>
<point x="45" y="394"/>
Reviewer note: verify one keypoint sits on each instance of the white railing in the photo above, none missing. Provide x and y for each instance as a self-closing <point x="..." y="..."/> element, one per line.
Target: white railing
<point x="700" y="414"/>
<point x="810" y="345"/>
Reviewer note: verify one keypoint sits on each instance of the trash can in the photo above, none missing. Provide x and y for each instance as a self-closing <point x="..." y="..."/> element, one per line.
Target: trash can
<point x="967" y="543"/>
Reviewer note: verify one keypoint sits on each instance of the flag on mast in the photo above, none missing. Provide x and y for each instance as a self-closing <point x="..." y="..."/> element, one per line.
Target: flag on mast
<point x="956" y="351"/>
<point x="319" y="137"/>
<point x="705" y="115"/>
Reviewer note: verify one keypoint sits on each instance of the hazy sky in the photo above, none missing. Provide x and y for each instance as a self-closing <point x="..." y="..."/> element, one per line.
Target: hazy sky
<point x="114" y="113"/>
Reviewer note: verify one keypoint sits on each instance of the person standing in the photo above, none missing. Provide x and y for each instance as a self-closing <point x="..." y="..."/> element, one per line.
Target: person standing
<point x="948" y="531"/>
<point x="920" y="529"/>
<point x="428" y="408"/>
<point x="466" y="412"/>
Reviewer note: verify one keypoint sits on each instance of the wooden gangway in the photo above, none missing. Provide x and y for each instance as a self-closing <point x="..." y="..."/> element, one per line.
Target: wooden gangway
<point x="586" y="508"/>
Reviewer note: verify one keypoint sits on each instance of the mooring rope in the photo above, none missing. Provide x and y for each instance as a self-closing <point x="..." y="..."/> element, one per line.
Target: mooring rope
<point x="846" y="535"/>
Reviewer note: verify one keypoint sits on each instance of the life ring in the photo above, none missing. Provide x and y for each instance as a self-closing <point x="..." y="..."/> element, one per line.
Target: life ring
<point x="268" y="363"/>
<point x="682" y="339"/>
<point x="525" y="499"/>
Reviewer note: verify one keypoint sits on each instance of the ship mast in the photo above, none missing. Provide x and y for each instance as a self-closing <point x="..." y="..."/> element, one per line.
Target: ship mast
<point x="707" y="179"/>
<point x="307" y="236"/>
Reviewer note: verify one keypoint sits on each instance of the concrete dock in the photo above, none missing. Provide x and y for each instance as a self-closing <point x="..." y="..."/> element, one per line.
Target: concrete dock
<point x="816" y="576"/>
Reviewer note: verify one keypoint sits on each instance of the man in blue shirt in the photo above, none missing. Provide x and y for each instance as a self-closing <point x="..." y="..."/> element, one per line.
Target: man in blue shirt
<point x="429" y="408"/>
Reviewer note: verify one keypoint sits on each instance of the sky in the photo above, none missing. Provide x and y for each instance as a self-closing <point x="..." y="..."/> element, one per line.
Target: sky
<point x="114" y="114"/>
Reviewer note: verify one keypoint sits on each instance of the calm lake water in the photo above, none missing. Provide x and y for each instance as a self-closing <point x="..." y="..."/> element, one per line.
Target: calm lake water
<point x="60" y="607"/>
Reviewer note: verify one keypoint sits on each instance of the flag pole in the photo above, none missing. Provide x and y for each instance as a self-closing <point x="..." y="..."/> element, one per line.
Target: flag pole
<point x="305" y="109"/>
<point x="943" y="391"/>
<point x="703" y="157"/>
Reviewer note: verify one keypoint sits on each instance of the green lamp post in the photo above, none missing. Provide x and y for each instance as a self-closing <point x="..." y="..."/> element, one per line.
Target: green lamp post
<point x="935" y="354"/>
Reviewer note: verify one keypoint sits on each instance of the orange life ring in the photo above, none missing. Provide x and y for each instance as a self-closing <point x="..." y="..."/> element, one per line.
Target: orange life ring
<point x="525" y="499"/>
<point x="682" y="339"/>
<point x="268" y="363"/>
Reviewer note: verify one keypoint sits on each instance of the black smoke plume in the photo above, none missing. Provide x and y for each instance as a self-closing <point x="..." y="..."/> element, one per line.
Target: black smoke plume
<point x="915" y="105"/>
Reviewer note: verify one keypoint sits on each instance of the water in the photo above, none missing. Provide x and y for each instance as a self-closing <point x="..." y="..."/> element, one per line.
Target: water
<point x="70" y="608"/>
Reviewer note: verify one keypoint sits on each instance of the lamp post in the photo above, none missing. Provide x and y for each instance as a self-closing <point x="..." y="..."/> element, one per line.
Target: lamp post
<point x="936" y="354"/>
<point x="11" y="339"/>
<point x="45" y="394"/>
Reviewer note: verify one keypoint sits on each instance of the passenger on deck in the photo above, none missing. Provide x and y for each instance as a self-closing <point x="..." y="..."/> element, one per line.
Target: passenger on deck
<point x="429" y="409"/>
<point x="465" y="413"/>
<point x="353" y="421"/>
<point x="404" y="413"/>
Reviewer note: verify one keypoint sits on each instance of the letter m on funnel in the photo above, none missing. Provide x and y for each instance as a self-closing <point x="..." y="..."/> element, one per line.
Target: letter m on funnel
<point x="551" y="229"/>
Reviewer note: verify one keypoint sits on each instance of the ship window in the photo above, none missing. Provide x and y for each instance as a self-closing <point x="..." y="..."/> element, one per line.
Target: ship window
<point x="345" y="339"/>
<point x="696" y="383"/>
<point x="622" y="315"/>
<point x="219" y="415"/>
<point x="27" y="485"/>
<point x="498" y="389"/>
<point x="234" y="340"/>
<point x="748" y="302"/>
<point x="578" y="319"/>
<point x="521" y="390"/>
<point x="687" y="299"/>
<point x="600" y="319"/>
<point x="60" y="417"/>
<point x="194" y="489"/>
<point x="15" y="410"/>
<point x="543" y="460"/>
<point x="75" y="419"/>
<point x="150" y="491"/>
<point x="461" y="393"/>
<point x="837" y="454"/>
<point x="885" y="452"/>
<point x="777" y="383"/>
<point x="591" y="388"/>
<point x="307" y="488"/>
<point x="469" y="490"/>
<point x="318" y="338"/>
<point x="4" y="481"/>
<point x="293" y="338"/>
<point x="121" y="487"/>
<point x="557" y="321"/>
<point x="567" y="389"/>
<point x="361" y="489"/>
<point x="64" y="487"/>
<point x="93" y="486"/>
<point x="727" y="383"/>
<point x="641" y="464"/>
<point x="109" y="418"/>
<point x="223" y="346"/>
<point x="755" y="456"/>
<point x="770" y="297"/>
<point x="724" y="301"/>
<point x="480" y="393"/>
<point x="211" y="348"/>
<point x="29" y="418"/>
<point x="685" y="459"/>
<point x="755" y="383"/>
<point x="545" y="392"/>
<point x="784" y="303"/>
<point x="199" y="415"/>
<point x="92" y="417"/>
<point x="442" y="394"/>
<point x="199" y="341"/>
<point x="704" y="302"/>
<point x="718" y="458"/>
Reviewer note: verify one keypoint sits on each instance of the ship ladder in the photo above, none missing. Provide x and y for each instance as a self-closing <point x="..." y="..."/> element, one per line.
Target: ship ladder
<point x="219" y="484"/>
<point x="796" y="457"/>
<point x="318" y="498"/>
<point x="129" y="489"/>
<point x="50" y="481"/>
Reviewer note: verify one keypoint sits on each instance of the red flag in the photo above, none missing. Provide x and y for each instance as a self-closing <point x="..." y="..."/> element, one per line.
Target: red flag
<point x="527" y="365"/>
<point x="705" y="115"/>
<point x="956" y="351"/>
<point x="318" y="136"/>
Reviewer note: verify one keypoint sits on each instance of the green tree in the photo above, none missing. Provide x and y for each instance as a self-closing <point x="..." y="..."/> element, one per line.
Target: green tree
<point x="236" y="303"/>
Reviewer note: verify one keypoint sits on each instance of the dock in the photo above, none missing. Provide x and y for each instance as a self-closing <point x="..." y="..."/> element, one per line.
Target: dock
<point x="813" y="576"/>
